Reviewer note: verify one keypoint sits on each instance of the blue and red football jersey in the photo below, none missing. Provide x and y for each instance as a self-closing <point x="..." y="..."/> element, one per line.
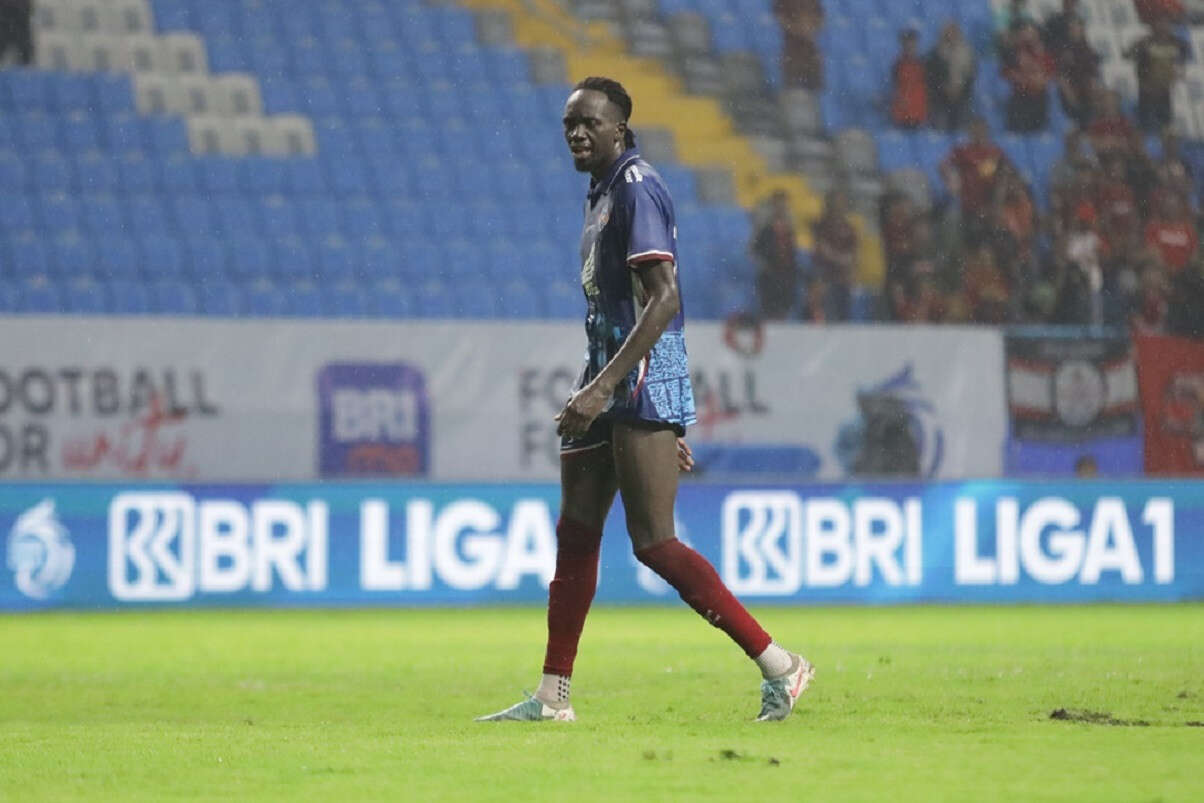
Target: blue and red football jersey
<point x="629" y="221"/>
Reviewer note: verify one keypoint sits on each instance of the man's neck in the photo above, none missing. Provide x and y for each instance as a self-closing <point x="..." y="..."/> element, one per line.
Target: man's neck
<point x="601" y="172"/>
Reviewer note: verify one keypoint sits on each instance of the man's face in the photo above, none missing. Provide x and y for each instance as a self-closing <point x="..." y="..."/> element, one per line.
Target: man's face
<point x="593" y="129"/>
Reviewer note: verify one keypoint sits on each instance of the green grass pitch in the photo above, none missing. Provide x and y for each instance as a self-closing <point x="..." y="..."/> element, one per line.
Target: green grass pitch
<point x="921" y="703"/>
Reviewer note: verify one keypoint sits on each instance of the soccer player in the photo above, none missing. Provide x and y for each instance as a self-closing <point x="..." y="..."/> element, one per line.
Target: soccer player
<point x="621" y="428"/>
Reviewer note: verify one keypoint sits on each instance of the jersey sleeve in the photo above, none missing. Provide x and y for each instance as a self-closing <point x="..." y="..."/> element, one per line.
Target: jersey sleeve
<point x="649" y="223"/>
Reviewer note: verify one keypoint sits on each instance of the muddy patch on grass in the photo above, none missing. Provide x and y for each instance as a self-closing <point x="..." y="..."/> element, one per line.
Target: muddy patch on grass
<point x="1095" y="718"/>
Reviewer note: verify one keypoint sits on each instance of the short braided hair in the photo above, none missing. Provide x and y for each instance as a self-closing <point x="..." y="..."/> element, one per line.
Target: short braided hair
<point x="616" y="94"/>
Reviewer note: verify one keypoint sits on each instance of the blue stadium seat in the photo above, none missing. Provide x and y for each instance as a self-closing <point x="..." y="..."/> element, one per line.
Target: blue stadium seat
<point x="193" y="215"/>
<point x="27" y="255"/>
<point x="319" y="217"/>
<point x="318" y="98"/>
<point x="220" y="298"/>
<point x="207" y="259"/>
<point x="257" y="21"/>
<point x="263" y="299"/>
<point x="405" y="217"/>
<point x="9" y="297"/>
<point x="337" y="261"/>
<point x="345" y="300"/>
<point x="161" y="255"/>
<point x="277" y="216"/>
<point x="53" y="172"/>
<point x="177" y="175"/>
<point x="304" y="177"/>
<point x="250" y="259"/>
<point x="217" y="175"/>
<point x="506" y="67"/>
<point x="358" y="217"/>
<point x="58" y="212"/>
<point x="30" y="90"/>
<point x="434" y="300"/>
<point x="117" y="257"/>
<point x="173" y="298"/>
<point x="37" y="131"/>
<point x="294" y="260"/>
<point x="390" y="300"/>
<point x="172" y="15"/>
<point x="303" y="299"/>
<point x="123" y="132"/>
<point x="17" y="212"/>
<point x="97" y="173"/>
<point x="518" y="299"/>
<point x="361" y="99"/>
<point x="347" y="177"/>
<point x="347" y="59"/>
<point x="13" y="172"/>
<point x="101" y="213"/>
<point x="128" y="297"/>
<point x="84" y="297"/>
<point x="486" y="220"/>
<point x="279" y="93"/>
<point x="379" y="258"/>
<point x="564" y="300"/>
<point x="147" y="214"/>
<point x="235" y="216"/>
<point x="227" y="54"/>
<point x="114" y="95"/>
<point x="73" y="93"/>
<point x="72" y="256"/>
<point x="214" y="19"/>
<point x="165" y="135"/>
<point x="39" y="297"/>
<point x="260" y="175"/>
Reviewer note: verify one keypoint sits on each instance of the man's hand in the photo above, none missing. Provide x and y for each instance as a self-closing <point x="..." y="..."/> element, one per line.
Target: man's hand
<point x="582" y="408"/>
<point x="685" y="457"/>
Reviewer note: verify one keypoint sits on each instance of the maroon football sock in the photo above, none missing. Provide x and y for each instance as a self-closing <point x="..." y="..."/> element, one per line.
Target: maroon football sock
<point x="570" y="593"/>
<point x="700" y="587"/>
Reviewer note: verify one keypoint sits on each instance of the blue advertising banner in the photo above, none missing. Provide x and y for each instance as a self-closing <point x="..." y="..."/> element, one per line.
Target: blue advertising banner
<point x="106" y="546"/>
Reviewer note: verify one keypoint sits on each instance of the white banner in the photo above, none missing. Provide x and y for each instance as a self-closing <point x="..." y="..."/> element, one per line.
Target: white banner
<point x="220" y="400"/>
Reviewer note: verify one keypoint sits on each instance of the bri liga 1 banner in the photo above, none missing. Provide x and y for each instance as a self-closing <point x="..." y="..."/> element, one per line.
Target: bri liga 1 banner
<point x="114" y="546"/>
<point x="210" y="400"/>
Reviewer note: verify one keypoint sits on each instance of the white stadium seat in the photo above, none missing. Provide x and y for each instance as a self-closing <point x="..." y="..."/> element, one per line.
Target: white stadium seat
<point x="254" y="134"/>
<point x="126" y="16"/>
<point x="291" y="135"/>
<point x="237" y="95"/>
<point x="208" y="135"/>
<point x="56" y="15"/>
<point x="99" y="51"/>
<point x="197" y="93"/>
<point x="156" y="93"/>
<point x="57" y="50"/>
<point x="184" y="53"/>
<point x="143" y="53"/>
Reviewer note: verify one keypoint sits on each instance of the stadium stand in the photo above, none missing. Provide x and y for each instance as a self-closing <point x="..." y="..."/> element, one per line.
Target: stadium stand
<point x="302" y="158"/>
<point x="363" y="158"/>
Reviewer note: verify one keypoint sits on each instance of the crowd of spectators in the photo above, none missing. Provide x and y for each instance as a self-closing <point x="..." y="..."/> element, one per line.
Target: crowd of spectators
<point x="1118" y="244"/>
<point x="1111" y="239"/>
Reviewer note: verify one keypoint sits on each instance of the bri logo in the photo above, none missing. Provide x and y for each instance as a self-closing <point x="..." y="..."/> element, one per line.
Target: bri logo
<point x="40" y="553"/>
<point x="374" y="420"/>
